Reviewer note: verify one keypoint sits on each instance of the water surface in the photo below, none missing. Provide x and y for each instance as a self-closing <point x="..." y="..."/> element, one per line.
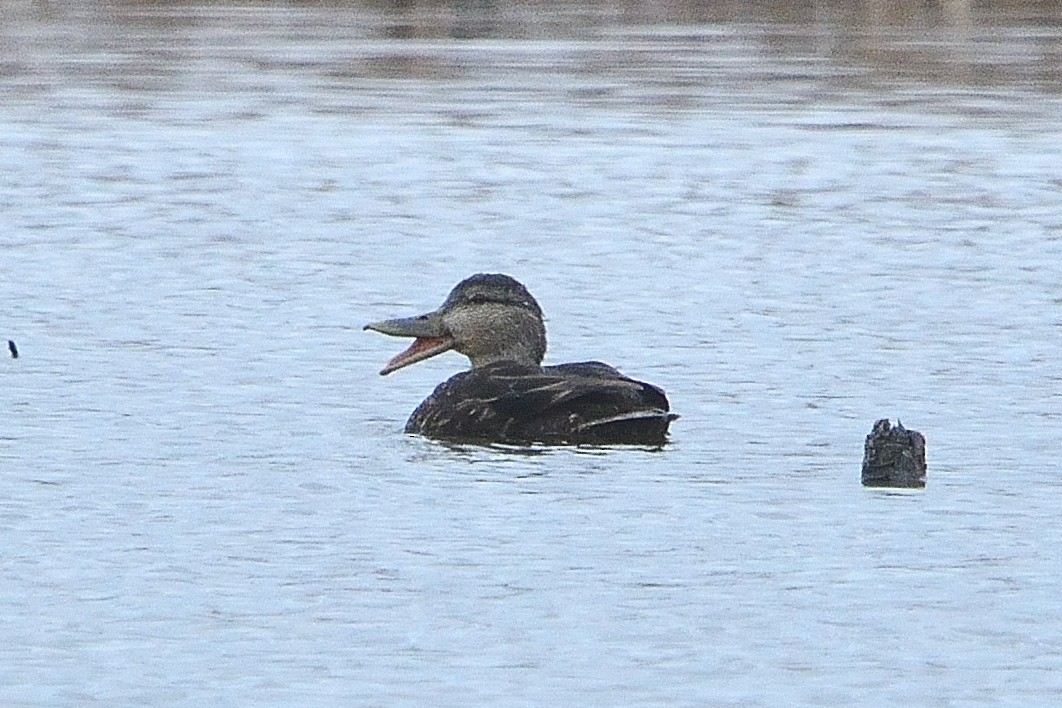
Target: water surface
<point x="795" y="223"/>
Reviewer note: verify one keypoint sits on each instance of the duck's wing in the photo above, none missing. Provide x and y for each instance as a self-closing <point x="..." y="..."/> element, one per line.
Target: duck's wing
<point x="570" y="403"/>
<point x="613" y="408"/>
<point x="597" y="379"/>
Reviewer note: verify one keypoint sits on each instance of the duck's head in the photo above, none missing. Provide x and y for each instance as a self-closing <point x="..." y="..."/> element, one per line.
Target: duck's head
<point x="488" y="318"/>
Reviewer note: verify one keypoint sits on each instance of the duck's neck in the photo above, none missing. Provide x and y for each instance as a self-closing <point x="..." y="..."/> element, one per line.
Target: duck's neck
<point x="520" y="339"/>
<point x="516" y="356"/>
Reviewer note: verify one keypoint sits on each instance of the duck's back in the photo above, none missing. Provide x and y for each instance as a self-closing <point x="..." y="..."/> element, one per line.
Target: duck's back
<point x="583" y="403"/>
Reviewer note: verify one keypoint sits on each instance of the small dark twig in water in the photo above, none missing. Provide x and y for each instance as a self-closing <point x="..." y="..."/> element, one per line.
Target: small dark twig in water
<point x="12" y="348"/>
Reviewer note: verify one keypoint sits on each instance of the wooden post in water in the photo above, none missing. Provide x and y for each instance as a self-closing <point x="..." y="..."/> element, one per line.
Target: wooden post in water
<point x="894" y="457"/>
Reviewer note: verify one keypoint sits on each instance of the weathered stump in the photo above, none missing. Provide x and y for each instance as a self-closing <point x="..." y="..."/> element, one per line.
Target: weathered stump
<point x="894" y="457"/>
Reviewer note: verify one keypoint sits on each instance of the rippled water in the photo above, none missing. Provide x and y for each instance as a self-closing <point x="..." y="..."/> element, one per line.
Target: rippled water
<point x="794" y="224"/>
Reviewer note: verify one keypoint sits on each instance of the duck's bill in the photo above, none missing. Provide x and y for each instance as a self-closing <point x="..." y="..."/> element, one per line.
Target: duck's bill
<point x="430" y="339"/>
<point x="422" y="348"/>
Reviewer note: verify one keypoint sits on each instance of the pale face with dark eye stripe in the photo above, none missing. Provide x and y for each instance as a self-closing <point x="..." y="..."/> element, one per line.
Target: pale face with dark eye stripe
<point x="490" y="331"/>
<point x="494" y="318"/>
<point x="488" y="318"/>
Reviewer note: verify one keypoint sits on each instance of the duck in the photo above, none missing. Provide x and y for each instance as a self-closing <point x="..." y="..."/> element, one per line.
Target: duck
<point x="508" y="396"/>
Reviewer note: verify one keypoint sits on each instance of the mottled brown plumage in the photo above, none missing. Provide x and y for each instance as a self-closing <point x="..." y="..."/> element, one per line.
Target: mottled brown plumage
<point x="507" y="396"/>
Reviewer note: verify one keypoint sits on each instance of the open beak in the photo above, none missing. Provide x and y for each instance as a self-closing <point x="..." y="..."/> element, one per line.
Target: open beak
<point x="430" y="338"/>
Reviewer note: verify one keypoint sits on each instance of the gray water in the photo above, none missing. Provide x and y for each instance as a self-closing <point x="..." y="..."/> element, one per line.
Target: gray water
<point x="795" y="221"/>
